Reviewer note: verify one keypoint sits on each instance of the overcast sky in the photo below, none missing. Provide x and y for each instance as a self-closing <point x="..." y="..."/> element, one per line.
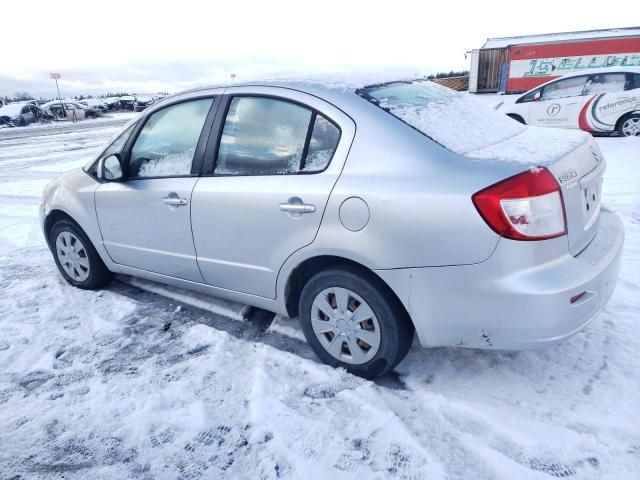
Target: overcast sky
<point x="156" y="46"/>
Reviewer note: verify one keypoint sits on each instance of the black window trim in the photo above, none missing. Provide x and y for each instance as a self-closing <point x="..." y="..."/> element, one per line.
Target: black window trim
<point x="196" y="165"/>
<point x="213" y="145"/>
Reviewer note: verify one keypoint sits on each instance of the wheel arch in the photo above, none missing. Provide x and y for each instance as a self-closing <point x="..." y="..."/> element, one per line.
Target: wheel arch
<point x="309" y="267"/>
<point x="54" y="216"/>
<point x="517" y="117"/>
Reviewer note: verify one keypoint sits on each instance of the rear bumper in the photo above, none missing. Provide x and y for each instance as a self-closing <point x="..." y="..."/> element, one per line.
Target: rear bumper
<point x="514" y="300"/>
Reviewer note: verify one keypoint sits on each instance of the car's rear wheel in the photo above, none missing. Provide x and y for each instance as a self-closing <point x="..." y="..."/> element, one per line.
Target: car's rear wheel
<point x="76" y="258"/>
<point x="630" y="126"/>
<point x="353" y="321"/>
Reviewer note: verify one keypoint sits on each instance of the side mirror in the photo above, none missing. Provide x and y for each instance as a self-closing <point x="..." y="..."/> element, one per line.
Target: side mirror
<point x="537" y="96"/>
<point x="110" y="168"/>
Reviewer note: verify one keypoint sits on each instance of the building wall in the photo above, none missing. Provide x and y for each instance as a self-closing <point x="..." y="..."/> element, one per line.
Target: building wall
<point x="455" y="83"/>
<point x="532" y="65"/>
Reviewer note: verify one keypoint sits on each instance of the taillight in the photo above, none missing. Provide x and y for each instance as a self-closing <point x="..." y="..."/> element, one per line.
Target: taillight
<point x="527" y="206"/>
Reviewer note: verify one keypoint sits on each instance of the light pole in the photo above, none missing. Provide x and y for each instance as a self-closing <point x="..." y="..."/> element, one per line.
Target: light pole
<point x="56" y="76"/>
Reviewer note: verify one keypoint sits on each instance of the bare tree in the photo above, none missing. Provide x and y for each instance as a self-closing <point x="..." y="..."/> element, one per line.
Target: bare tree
<point x="21" y="96"/>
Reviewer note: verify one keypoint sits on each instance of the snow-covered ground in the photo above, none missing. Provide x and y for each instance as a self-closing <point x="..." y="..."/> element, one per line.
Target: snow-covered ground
<point x="123" y="383"/>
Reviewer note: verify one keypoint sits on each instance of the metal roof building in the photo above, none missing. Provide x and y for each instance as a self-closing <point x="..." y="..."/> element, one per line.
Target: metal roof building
<point x="517" y="64"/>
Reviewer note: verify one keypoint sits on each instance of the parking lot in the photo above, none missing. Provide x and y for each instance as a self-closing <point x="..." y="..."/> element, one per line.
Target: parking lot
<point x="122" y="383"/>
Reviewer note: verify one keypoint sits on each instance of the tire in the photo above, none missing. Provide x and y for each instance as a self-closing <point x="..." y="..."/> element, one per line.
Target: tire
<point x="336" y="332"/>
<point x="517" y="118"/>
<point x="629" y="125"/>
<point x="86" y="270"/>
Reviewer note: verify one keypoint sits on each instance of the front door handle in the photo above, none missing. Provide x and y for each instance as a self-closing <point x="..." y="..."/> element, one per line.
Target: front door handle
<point x="174" y="200"/>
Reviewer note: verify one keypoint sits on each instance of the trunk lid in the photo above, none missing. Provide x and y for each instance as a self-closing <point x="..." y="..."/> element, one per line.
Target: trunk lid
<point x="579" y="174"/>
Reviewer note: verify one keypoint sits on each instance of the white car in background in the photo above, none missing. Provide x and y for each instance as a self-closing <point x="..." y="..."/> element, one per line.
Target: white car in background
<point x="597" y="101"/>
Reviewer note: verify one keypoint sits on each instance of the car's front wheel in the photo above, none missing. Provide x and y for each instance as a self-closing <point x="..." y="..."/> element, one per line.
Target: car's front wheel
<point x="353" y="321"/>
<point x="630" y="126"/>
<point x="76" y="258"/>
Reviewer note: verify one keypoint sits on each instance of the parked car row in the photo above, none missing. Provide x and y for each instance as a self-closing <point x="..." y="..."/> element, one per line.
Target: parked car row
<point x="18" y="114"/>
<point x="132" y="103"/>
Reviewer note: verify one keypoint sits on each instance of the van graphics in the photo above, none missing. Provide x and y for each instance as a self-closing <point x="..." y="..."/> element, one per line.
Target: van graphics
<point x="556" y="66"/>
<point x="605" y="110"/>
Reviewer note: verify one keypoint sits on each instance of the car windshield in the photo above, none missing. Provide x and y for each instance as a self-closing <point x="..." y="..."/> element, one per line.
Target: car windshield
<point x="11" y="109"/>
<point x="453" y="119"/>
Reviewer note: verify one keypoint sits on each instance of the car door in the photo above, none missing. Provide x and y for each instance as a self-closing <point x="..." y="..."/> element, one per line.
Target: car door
<point x="27" y="115"/>
<point x="560" y="103"/>
<point x="145" y="220"/>
<point x="270" y="171"/>
<point x="522" y="106"/>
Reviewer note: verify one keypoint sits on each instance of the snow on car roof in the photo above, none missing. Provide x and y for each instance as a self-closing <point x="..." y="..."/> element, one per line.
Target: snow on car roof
<point x="11" y="109"/>
<point x="560" y="37"/>
<point x="593" y="71"/>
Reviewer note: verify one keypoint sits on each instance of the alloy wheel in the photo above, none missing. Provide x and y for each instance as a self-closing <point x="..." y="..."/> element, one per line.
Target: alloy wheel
<point x="631" y="127"/>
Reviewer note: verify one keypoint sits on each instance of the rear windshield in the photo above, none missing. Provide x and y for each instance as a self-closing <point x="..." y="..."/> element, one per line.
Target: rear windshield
<point x="455" y="120"/>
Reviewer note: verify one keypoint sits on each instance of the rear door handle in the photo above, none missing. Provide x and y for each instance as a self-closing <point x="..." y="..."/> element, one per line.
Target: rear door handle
<point x="174" y="200"/>
<point x="296" y="207"/>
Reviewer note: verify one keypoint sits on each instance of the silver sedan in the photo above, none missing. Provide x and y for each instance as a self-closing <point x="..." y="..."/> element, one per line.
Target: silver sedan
<point x="369" y="212"/>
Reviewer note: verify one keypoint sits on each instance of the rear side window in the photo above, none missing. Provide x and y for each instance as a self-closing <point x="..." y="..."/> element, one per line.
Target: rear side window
<point x="322" y="145"/>
<point x="605" y="82"/>
<point x="634" y="81"/>
<point x="267" y="136"/>
<point x="167" y="143"/>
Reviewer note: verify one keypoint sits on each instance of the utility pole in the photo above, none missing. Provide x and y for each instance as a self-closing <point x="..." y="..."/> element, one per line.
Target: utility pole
<point x="56" y="76"/>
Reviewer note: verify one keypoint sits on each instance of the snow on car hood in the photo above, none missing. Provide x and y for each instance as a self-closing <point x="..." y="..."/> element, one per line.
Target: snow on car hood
<point x="11" y="109"/>
<point x="466" y="126"/>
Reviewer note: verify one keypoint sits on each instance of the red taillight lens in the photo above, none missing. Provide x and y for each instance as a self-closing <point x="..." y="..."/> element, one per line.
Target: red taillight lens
<point x="527" y="206"/>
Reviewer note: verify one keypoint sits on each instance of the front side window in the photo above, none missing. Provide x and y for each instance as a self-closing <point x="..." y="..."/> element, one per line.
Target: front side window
<point x="118" y="143"/>
<point x="529" y="97"/>
<point x="116" y="147"/>
<point x="167" y="143"/>
<point x="569" y="87"/>
<point x="605" y="82"/>
<point x="262" y="136"/>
